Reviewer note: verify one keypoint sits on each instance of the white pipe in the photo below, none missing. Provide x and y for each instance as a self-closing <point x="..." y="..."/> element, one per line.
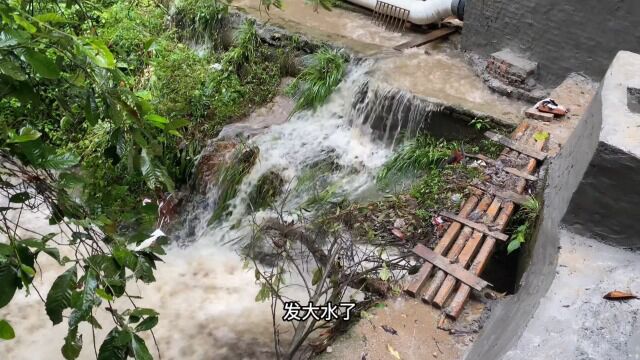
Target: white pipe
<point x="420" y="12"/>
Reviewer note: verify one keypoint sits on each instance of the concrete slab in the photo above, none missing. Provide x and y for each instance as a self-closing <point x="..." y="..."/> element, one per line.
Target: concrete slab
<point x="621" y="126"/>
<point x="517" y="63"/>
<point x="573" y="321"/>
<point x="605" y="204"/>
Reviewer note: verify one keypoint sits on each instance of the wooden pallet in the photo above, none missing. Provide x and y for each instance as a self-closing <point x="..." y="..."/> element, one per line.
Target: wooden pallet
<point x="453" y="268"/>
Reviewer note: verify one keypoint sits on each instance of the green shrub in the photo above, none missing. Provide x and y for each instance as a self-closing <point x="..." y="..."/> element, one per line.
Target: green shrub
<point x="178" y="76"/>
<point x="200" y="20"/>
<point x="131" y="30"/>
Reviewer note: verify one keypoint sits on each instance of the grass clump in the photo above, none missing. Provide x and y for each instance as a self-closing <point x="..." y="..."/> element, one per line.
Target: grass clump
<point x="200" y="20"/>
<point x="315" y="83"/>
<point x="418" y="156"/>
<point x="231" y="177"/>
<point x="525" y="222"/>
<point x="130" y="32"/>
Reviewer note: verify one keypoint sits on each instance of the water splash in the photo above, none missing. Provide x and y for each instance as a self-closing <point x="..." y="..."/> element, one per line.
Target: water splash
<point x="389" y="113"/>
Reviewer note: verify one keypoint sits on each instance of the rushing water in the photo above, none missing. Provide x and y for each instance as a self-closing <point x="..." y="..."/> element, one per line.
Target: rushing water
<point x="204" y="296"/>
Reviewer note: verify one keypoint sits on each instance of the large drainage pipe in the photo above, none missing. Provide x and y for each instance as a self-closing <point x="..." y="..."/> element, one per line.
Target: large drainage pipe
<point x="420" y="12"/>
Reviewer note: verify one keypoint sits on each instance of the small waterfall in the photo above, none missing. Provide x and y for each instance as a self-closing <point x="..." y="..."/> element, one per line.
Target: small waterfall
<point x="390" y="113"/>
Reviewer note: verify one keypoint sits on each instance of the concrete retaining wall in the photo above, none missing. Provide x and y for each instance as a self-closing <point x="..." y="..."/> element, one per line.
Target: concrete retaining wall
<point x="592" y="155"/>
<point x="606" y="204"/>
<point x="562" y="36"/>
<point x="510" y="317"/>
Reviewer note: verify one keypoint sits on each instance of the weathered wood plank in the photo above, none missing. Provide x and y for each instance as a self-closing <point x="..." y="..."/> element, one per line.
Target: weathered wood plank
<point x="476" y="226"/>
<point x="510" y="170"/>
<point x="467" y="253"/>
<point x="504" y="194"/>
<point x="455" y="250"/>
<point x="457" y="304"/>
<point x="454" y="269"/>
<point x="418" y="280"/>
<point x="515" y="146"/>
<point x="426" y="38"/>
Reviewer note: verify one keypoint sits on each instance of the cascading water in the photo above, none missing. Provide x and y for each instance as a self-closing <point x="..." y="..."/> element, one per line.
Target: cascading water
<point x="204" y="296"/>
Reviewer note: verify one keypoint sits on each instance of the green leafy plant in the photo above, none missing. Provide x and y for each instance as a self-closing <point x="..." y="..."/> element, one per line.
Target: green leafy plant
<point x="246" y="45"/>
<point x="480" y="124"/>
<point x="200" y="20"/>
<point x="314" y="85"/>
<point x="530" y="209"/>
<point x="420" y="155"/>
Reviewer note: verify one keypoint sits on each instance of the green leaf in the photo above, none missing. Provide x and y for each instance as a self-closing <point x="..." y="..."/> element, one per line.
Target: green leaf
<point x="42" y="64"/>
<point x="385" y="273"/>
<point x="513" y="246"/>
<point x="541" y="136"/>
<point x="144" y="312"/>
<point x="144" y="270"/>
<point x="54" y="253"/>
<point x="100" y="54"/>
<point x="33" y="243"/>
<point x="11" y="37"/>
<point x="26" y="134"/>
<point x="154" y="174"/>
<point x="52" y="18"/>
<point x="59" y="297"/>
<point x="20" y="197"/>
<point x="6" y="331"/>
<point x="112" y="347"/>
<point x="147" y="324"/>
<point x="24" y="23"/>
<point x="157" y="120"/>
<point x="263" y="293"/>
<point x="28" y="270"/>
<point x="140" y="351"/>
<point x="9" y="281"/>
<point x="125" y="257"/>
<point x="103" y="294"/>
<point x="176" y="124"/>
<point x="12" y="69"/>
<point x="317" y="275"/>
<point x="72" y="344"/>
<point x="60" y="161"/>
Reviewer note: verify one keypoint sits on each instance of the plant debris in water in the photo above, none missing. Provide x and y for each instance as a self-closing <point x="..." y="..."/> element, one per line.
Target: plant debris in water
<point x="314" y="85"/>
<point x="230" y="178"/>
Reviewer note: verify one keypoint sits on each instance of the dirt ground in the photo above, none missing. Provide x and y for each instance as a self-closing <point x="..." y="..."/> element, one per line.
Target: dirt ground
<point x="408" y="327"/>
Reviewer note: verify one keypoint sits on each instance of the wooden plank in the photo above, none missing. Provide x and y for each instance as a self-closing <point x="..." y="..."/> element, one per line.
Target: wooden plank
<point x="418" y="280"/>
<point x="515" y="146"/>
<point x="457" y="304"/>
<point x="454" y="269"/>
<point x="497" y="165"/>
<point x="476" y="226"/>
<point x="427" y="38"/>
<point x="467" y="254"/>
<point x="503" y="194"/>
<point x="455" y="250"/>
